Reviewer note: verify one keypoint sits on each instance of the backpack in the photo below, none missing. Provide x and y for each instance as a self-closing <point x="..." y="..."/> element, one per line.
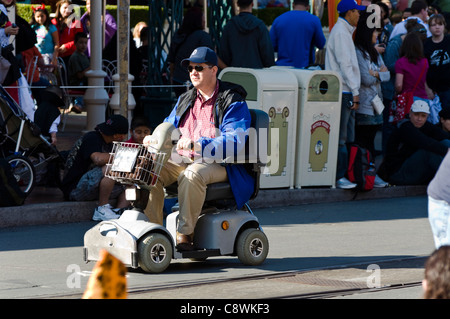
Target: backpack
<point x="361" y="169"/>
<point x="11" y="194"/>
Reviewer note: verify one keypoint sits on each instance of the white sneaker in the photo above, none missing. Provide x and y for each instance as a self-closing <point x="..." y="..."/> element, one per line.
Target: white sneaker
<point x="379" y="183"/>
<point x="104" y="212"/>
<point x="344" y="183"/>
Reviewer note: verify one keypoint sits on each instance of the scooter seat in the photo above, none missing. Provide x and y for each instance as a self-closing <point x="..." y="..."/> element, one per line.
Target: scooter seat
<point x="215" y="191"/>
<point x="222" y="191"/>
<point x="218" y="191"/>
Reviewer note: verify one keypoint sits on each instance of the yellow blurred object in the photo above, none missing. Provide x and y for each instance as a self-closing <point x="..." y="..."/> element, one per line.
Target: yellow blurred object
<point x="107" y="280"/>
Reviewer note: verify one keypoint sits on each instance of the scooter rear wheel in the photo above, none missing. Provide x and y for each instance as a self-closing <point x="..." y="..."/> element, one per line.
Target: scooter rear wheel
<point x="154" y="253"/>
<point x="252" y="247"/>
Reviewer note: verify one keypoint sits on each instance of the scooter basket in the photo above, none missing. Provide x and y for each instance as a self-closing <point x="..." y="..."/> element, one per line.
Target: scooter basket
<point x="134" y="164"/>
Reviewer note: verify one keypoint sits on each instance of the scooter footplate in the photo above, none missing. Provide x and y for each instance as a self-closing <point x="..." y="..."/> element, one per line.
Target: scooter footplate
<point x="200" y="254"/>
<point x="113" y="238"/>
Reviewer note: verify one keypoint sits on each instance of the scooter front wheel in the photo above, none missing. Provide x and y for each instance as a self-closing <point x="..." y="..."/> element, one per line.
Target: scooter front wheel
<point x="252" y="247"/>
<point x="154" y="253"/>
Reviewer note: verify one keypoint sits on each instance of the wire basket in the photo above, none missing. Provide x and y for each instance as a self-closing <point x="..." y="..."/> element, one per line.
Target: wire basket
<point x="134" y="164"/>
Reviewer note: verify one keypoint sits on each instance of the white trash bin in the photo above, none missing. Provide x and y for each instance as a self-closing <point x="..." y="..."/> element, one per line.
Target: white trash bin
<point x="275" y="92"/>
<point x="318" y="120"/>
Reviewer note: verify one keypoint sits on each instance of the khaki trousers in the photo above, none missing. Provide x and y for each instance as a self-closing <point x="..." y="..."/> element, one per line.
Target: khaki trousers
<point x="192" y="183"/>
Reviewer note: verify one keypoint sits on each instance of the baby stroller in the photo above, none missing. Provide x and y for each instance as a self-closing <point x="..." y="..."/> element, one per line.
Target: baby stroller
<point x="25" y="148"/>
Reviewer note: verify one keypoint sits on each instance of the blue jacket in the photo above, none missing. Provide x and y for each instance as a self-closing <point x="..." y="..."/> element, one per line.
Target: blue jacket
<point x="232" y="118"/>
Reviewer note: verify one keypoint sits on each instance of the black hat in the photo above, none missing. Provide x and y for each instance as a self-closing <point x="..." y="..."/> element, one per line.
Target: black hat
<point x="445" y="113"/>
<point x="116" y="124"/>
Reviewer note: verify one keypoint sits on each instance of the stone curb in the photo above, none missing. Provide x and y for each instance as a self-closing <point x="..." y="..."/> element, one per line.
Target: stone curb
<point x="71" y="212"/>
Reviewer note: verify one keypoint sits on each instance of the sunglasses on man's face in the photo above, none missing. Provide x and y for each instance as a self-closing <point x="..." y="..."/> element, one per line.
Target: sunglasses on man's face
<point x="197" y="68"/>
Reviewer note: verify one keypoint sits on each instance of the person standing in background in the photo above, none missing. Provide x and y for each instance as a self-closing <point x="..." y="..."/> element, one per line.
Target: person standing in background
<point x="110" y="26"/>
<point x="245" y="41"/>
<point x="46" y="35"/>
<point x="189" y="36"/>
<point x="341" y="57"/>
<point x="295" y="35"/>
<point x="437" y="52"/>
<point x="67" y="26"/>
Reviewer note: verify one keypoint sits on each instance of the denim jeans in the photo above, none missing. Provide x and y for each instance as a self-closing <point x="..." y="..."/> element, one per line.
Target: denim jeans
<point x="439" y="218"/>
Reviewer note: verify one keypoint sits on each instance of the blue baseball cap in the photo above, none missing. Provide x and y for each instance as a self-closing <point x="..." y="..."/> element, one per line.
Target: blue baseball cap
<point x="346" y="5"/>
<point x="201" y="55"/>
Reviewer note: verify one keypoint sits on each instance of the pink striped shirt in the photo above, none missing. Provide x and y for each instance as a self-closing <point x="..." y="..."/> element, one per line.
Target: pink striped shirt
<point x="199" y="120"/>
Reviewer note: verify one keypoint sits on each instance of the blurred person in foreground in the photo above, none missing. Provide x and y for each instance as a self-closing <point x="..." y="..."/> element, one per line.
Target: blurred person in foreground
<point x="436" y="284"/>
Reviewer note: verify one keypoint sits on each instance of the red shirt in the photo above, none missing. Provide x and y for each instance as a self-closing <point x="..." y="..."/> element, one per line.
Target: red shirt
<point x="67" y="36"/>
<point x="199" y="120"/>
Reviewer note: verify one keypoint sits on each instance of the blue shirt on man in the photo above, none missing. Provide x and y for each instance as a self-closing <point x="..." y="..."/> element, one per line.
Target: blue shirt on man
<point x="294" y="36"/>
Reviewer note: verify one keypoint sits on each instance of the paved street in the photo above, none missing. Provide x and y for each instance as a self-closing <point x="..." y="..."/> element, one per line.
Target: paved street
<point x="333" y="241"/>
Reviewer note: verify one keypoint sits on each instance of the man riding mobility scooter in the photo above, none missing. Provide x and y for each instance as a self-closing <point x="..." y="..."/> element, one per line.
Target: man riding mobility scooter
<point x="219" y="231"/>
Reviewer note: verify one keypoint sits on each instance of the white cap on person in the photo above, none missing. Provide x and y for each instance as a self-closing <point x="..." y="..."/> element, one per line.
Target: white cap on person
<point x="420" y="106"/>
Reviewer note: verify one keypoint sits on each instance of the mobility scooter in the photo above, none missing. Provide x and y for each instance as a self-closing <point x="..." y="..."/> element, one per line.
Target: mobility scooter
<point x="224" y="231"/>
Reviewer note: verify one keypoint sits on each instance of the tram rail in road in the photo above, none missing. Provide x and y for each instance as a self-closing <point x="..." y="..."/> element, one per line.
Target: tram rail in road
<point x="318" y="283"/>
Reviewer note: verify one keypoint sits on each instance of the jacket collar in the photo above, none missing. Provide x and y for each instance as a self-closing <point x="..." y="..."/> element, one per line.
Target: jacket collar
<point x="347" y="25"/>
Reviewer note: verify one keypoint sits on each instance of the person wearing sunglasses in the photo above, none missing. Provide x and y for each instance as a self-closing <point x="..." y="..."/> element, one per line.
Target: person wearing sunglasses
<point x="213" y="119"/>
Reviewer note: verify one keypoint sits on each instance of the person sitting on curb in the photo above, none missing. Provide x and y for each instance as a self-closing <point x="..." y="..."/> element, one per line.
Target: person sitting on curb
<point x="415" y="149"/>
<point x="444" y="119"/>
<point x="139" y="128"/>
<point x="84" y="177"/>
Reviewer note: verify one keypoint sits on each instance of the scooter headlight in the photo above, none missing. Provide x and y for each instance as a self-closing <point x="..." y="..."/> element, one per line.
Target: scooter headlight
<point x="225" y="225"/>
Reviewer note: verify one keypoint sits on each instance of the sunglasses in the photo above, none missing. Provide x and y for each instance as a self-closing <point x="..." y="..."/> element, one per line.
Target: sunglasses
<point x="197" y="68"/>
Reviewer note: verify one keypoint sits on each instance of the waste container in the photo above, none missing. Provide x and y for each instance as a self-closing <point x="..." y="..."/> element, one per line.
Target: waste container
<point x="318" y="120"/>
<point x="275" y="92"/>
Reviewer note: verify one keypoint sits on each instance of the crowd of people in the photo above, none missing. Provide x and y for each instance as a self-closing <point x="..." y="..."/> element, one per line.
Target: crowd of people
<point x="389" y="61"/>
<point x="377" y="63"/>
<point x="38" y="48"/>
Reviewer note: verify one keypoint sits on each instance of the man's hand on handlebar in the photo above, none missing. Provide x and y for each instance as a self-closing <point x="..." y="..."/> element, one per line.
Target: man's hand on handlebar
<point x="185" y="143"/>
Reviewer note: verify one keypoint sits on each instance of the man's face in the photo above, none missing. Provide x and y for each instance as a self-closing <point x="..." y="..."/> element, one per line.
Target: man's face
<point x="418" y="119"/>
<point x="352" y="17"/>
<point x="201" y="74"/>
<point x="424" y="15"/>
